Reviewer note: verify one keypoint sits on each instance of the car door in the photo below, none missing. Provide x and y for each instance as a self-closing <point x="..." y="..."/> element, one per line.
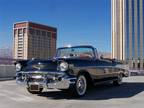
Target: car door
<point x="106" y="68"/>
<point x="100" y="70"/>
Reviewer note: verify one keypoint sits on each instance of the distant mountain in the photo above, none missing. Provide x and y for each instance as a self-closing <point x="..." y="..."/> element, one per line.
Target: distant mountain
<point x="6" y="56"/>
<point x="5" y="53"/>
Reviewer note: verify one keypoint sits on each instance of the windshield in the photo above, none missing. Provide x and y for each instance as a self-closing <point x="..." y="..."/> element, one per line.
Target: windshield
<point x="75" y="52"/>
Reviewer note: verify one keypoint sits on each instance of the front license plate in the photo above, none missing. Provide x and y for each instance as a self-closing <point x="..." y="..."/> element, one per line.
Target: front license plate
<point x="34" y="87"/>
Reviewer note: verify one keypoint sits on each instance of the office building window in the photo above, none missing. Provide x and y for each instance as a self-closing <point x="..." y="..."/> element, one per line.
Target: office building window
<point x="133" y="31"/>
<point x="19" y="31"/>
<point x="43" y="33"/>
<point x="24" y="30"/>
<point x="49" y="34"/>
<point x="38" y="32"/>
<point x="138" y="26"/>
<point x="127" y="32"/>
<point x="31" y="31"/>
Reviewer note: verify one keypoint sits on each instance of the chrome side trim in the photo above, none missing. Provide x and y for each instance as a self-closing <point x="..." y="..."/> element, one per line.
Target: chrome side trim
<point x="114" y="67"/>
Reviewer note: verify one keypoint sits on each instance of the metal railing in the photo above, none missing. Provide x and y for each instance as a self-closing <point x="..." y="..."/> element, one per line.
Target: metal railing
<point x="7" y="61"/>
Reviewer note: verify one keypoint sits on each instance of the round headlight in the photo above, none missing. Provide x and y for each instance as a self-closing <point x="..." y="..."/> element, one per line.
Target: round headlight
<point x="18" y="67"/>
<point x="63" y="66"/>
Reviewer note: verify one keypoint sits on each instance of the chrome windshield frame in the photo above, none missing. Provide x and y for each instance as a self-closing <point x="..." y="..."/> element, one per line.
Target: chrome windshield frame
<point x="83" y="46"/>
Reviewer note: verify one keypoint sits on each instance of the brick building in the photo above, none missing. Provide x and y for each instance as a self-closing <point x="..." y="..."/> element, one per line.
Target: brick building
<point x="32" y="40"/>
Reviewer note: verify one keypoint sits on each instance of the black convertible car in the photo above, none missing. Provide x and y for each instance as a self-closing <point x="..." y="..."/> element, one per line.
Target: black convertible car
<point x="72" y="68"/>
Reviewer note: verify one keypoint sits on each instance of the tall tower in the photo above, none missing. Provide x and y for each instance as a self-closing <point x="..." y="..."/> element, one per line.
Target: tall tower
<point x="118" y="29"/>
<point x="127" y="31"/>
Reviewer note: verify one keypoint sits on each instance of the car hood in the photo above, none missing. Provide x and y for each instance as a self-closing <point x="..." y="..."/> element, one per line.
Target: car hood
<point x="41" y="65"/>
<point x="51" y="64"/>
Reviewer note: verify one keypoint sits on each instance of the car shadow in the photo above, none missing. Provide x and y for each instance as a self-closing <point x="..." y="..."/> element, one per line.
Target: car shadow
<point x="101" y="92"/>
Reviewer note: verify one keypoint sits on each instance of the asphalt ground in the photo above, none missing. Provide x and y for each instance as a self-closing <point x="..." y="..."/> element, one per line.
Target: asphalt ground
<point x="128" y="95"/>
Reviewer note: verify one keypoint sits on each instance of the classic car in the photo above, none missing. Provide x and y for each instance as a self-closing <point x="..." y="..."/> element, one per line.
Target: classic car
<point x="72" y="68"/>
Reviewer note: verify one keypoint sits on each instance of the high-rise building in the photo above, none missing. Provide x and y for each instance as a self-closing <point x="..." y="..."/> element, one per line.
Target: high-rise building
<point x="128" y="31"/>
<point x="32" y="40"/>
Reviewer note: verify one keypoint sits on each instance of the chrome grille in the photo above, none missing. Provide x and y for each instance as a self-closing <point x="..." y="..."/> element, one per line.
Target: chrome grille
<point x="39" y="76"/>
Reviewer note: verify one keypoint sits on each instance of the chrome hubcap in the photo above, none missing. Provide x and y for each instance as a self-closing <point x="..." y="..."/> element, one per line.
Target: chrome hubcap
<point x="81" y="85"/>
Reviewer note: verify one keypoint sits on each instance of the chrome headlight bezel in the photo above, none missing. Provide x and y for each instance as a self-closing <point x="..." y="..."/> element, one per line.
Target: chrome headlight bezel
<point x="63" y="66"/>
<point x="18" y="67"/>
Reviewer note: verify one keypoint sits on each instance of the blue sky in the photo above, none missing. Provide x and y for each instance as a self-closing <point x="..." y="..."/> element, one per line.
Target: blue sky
<point x="77" y="21"/>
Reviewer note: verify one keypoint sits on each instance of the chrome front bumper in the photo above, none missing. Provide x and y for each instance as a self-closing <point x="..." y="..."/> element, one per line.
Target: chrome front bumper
<point x="49" y="80"/>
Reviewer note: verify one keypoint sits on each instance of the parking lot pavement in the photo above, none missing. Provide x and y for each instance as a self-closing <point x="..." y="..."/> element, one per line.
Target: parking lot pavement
<point x="128" y="95"/>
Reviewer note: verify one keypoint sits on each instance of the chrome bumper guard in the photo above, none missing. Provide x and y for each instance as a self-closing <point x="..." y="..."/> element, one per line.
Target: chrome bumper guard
<point x="126" y="74"/>
<point x="49" y="80"/>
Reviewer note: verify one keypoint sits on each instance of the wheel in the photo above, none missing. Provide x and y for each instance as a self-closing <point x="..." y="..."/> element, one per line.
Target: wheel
<point x="35" y="92"/>
<point x="118" y="81"/>
<point x="80" y="86"/>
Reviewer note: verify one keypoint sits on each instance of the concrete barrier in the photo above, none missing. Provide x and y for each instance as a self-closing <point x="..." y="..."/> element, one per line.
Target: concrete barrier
<point x="7" y="71"/>
<point x="136" y="72"/>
